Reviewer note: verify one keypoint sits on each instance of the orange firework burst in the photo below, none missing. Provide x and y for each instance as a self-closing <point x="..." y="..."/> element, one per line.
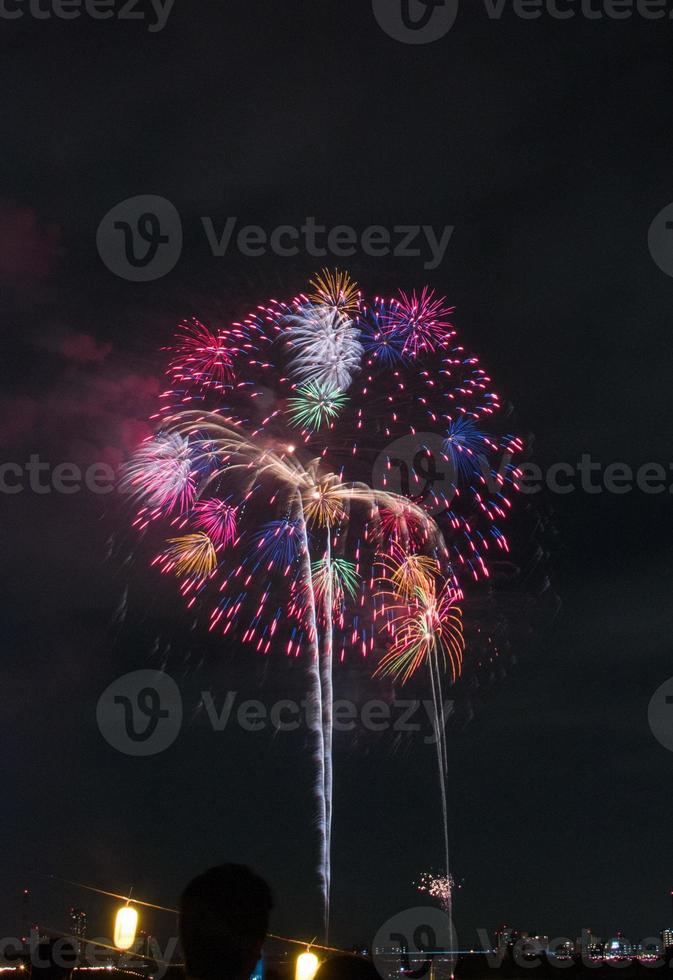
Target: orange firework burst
<point x="337" y="290"/>
<point x="324" y="503"/>
<point x="192" y="554"/>
<point x="409" y="573"/>
<point x="427" y="629"/>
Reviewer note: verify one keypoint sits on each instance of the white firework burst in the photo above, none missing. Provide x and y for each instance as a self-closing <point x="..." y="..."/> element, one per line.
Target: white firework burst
<point x="160" y="474"/>
<point x="324" y="346"/>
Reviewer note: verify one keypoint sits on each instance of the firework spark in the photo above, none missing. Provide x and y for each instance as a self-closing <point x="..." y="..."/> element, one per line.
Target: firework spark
<point x="337" y="578"/>
<point x="422" y="321"/>
<point x="465" y="446"/>
<point x="190" y="555"/>
<point x="426" y="629"/>
<point x="202" y="357"/>
<point x="439" y="886"/>
<point x="324" y="346"/>
<point x="314" y="404"/>
<point x="335" y="290"/>
<point x="161" y="474"/>
<point x="218" y="520"/>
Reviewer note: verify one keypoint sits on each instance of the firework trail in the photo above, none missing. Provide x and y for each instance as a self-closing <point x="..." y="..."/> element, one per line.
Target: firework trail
<point x="263" y="470"/>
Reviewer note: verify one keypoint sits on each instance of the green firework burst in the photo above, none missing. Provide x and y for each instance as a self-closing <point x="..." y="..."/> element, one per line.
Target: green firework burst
<point x="315" y="403"/>
<point x="345" y="579"/>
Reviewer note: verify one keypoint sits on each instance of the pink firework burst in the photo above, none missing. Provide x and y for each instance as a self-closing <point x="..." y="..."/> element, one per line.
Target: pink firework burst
<point x="422" y="321"/>
<point x="202" y="357"/>
<point x="403" y="525"/>
<point x="218" y="519"/>
<point x="161" y="476"/>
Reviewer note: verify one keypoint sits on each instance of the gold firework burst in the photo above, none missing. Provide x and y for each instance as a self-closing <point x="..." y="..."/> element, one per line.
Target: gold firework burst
<point x="337" y="290"/>
<point x="191" y="554"/>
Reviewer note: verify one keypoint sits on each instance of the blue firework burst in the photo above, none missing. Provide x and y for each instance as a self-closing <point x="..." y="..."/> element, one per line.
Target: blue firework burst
<point x="465" y="445"/>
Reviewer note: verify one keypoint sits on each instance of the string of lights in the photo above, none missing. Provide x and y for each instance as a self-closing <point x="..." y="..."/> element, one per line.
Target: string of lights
<point x="164" y="908"/>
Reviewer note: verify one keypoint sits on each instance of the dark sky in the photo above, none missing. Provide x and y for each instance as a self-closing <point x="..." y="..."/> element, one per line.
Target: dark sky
<point x="548" y="145"/>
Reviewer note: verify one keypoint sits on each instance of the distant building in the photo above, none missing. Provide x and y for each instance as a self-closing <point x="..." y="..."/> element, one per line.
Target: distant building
<point x="617" y="948"/>
<point x="77" y="922"/>
<point x="590" y="945"/>
<point x="506" y="936"/>
<point x="667" y="938"/>
<point x="563" y="950"/>
<point x="535" y="945"/>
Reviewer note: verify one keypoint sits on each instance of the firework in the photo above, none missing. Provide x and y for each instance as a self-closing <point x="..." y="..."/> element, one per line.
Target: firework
<point x="314" y="404"/>
<point x="324" y="346"/>
<point x="464" y="445"/>
<point x="267" y="439"/>
<point x="161" y="474"/>
<point x="202" y="357"/>
<point x="191" y="555"/>
<point x="439" y="886"/>
<point x="324" y="504"/>
<point x="335" y="290"/>
<point x="279" y="542"/>
<point x="337" y="578"/>
<point x="427" y="628"/>
<point x="411" y="574"/>
<point x="218" y="520"/>
<point x="422" y="321"/>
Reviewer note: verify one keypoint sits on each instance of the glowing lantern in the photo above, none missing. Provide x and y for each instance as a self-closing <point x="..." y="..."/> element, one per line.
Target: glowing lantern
<point x="307" y="964"/>
<point x="126" y="923"/>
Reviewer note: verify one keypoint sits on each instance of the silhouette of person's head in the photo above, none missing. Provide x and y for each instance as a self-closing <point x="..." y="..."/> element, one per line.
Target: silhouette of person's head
<point x="346" y="967"/>
<point x="224" y="916"/>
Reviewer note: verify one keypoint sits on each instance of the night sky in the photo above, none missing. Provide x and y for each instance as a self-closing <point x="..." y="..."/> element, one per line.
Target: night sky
<point x="548" y="145"/>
